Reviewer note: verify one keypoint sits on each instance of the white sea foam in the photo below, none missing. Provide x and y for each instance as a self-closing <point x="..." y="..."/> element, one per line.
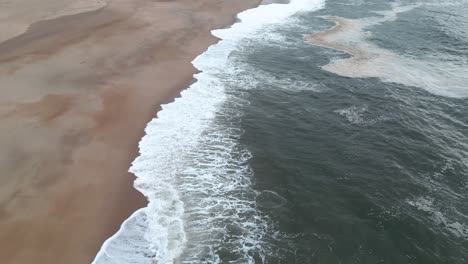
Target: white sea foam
<point x="437" y="74"/>
<point x="426" y="205"/>
<point x="354" y="114"/>
<point x="360" y="115"/>
<point x="193" y="171"/>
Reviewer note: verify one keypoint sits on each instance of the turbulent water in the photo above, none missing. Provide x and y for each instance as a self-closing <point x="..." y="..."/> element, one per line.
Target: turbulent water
<point x="301" y="142"/>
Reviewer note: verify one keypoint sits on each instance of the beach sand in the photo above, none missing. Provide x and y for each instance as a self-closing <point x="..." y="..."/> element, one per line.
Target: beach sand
<point x="80" y="80"/>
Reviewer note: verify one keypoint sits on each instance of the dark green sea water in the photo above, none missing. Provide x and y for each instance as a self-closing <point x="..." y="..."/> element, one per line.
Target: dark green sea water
<point x="363" y="171"/>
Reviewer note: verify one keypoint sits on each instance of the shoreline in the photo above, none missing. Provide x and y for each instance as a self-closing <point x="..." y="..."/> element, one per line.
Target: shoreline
<point x="81" y="89"/>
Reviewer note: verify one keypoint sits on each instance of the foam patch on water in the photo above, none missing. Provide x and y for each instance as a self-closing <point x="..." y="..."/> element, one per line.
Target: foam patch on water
<point x="426" y="205"/>
<point x="195" y="174"/>
<point x="266" y="80"/>
<point x="359" y="115"/>
<point x="353" y="114"/>
<point x="435" y="74"/>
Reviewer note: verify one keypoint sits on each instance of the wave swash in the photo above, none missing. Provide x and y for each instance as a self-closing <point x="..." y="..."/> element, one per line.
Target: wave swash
<point x="194" y="172"/>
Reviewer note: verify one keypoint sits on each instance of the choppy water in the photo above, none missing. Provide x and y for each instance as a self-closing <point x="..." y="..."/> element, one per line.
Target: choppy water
<point x="275" y="155"/>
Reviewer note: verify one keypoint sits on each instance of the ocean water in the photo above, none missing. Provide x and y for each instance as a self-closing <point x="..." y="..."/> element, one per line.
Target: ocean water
<point x="287" y="152"/>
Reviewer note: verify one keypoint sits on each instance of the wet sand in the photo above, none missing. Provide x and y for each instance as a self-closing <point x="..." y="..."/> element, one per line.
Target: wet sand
<point x="79" y="84"/>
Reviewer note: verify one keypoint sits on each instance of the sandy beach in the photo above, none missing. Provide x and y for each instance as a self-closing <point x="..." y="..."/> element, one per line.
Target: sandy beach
<point x="80" y="80"/>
